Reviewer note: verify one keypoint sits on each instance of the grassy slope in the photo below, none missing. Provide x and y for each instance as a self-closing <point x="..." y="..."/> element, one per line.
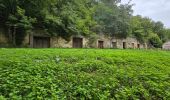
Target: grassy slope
<point x="84" y="73"/>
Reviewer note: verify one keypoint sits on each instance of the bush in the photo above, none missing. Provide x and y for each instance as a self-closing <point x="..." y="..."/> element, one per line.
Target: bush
<point x="155" y="41"/>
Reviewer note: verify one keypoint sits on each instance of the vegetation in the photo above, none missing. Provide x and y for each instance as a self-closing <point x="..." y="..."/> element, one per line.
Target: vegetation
<point x="84" y="74"/>
<point x="65" y="18"/>
<point x="146" y="30"/>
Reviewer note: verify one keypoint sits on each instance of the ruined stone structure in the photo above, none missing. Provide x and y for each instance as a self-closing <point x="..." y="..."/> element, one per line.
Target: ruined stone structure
<point x="41" y="39"/>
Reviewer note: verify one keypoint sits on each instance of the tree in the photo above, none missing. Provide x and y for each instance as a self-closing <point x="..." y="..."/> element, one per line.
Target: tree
<point x="137" y="28"/>
<point x="64" y="18"/>
<point x="113" y="20"/>
<point x="155" y="41"/>
<point x="149" y="31"/>
<point x="13" y="17"/>
<point x="68" y="18"/>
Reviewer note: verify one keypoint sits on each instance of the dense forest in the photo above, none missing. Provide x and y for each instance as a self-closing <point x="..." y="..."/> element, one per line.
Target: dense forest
<point x="85" y="17"/>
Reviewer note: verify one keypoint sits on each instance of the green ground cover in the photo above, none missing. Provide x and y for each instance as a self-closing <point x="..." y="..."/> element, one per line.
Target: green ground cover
<point x="84" y="74"/>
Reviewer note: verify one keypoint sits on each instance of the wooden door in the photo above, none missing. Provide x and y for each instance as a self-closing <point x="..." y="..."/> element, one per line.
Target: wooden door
<point x="41" y="42"/>
<point x="124" y="45"/>
<point x="101" y="44"/>
<point x="133" y="45"/>
<point x="139" y="46"/>
<point x="114" y="44"/>
<point x="77" y="43"/>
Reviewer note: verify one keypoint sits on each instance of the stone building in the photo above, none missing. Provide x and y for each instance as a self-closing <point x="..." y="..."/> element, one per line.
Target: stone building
<point x="41" y="39"/>
<point x="166" y="46"/>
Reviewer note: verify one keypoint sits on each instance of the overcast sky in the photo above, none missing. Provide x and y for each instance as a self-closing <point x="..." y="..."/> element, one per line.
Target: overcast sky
<point x="158" y="10"/>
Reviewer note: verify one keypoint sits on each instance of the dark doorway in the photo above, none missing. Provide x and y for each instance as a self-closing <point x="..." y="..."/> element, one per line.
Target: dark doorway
<point x="114" y="44"/>
<point x="77" y="43"/>
<point x="133" y="45"/>
<point x="41" y="42"/>
<point x="101" y="44"/>
<point x="124" y="45"/>
<point x="139" y="46"/>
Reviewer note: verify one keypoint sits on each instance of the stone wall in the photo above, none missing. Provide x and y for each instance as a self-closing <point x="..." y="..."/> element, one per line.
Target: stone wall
<point x="58" y="42"/>
<point x="166" y="46"/>
<point x="3" y="38"/>
<point x="88" y="42"/>
<point x="107" y="42"/>
<point x="130" y="43"/>
<point x="29" y="41"/>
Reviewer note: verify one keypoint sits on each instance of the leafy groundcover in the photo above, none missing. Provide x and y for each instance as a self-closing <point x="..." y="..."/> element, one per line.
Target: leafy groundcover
<point x="60" y="74"/>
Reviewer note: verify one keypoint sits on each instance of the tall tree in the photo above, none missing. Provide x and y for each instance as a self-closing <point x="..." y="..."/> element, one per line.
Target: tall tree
<point x="112" y="19"/>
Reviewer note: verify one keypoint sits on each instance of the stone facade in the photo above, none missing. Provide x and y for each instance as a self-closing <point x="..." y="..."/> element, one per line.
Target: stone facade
<point x="39" y="38"/>
<point x="129" y="42"/>
<point x="58" y="42"/>
<point x="166" y="46"/>
<point x="100" y="42"/>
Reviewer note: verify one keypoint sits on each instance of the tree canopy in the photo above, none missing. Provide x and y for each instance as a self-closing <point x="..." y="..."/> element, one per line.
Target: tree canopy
<point x="65" y="18"/>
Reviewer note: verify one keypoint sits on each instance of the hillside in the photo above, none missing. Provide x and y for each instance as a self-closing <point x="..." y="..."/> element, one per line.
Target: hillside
<point x="84" y="74"/>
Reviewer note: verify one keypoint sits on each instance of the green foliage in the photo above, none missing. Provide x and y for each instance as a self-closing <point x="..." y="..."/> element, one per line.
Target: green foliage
<point x="70" y="18"/>
<point x="13" y="17"/>
<point x="65" y="18"/>
<point x="112" y="20"/>
<point x="84" y="74"/>
<point x="167" y="34"/>
<point x="155" y="41"/>
<point x="141" y="28"/>
<point x="146" y="30"/>
<point x="92" y="40"/>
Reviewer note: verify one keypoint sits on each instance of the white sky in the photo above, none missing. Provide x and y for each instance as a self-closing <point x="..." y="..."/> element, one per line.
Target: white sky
<point x="157" y="10"/>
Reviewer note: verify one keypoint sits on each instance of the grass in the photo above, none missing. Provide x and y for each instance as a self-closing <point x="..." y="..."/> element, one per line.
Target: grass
<point x="84" y="74"/>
